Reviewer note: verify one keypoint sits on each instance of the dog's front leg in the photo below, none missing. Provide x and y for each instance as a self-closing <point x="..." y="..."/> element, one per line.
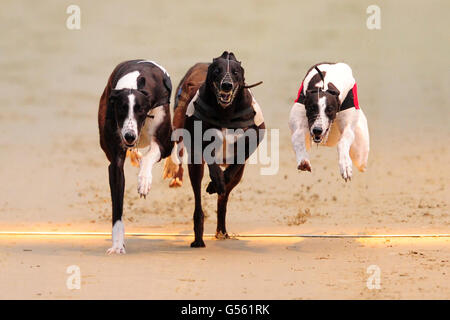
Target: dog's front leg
<point x="196" y="176"/>
<point x="343" y="147"/>
<point x="117" y="185"/>
<point x="152" y="156"/>
<point x="298" y="123"/>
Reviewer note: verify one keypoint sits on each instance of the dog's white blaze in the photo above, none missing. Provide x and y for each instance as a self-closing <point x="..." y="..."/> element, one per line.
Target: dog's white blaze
<point x="128" y="81"/>
<point x="322" y="120"/>
<point x="130" y="123"/>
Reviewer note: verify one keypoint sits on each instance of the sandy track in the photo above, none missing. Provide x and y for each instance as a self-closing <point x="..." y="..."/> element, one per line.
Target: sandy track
<point x="165" y="268"/>
<point x="54" y="175"/>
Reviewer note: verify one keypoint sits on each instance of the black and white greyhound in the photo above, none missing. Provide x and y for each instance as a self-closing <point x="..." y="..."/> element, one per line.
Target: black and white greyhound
<point x="213" y="97"/>
<point x="134" y="113"/>
<point x="327" y="112"/>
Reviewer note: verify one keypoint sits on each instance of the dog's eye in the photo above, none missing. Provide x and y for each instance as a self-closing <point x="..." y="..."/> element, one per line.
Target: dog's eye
<point x="216" y="71"/>
<point x="235" y="72"/>
<point x="122" y="107"/>
<point x="139" y="108"/>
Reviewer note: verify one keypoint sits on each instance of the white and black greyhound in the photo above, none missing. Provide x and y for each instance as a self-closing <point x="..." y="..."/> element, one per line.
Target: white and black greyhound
<point x="327" y="112"/>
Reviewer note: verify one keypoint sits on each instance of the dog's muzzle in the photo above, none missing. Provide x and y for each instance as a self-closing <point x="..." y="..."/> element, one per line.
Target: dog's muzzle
<point x="129" y="139"/>
<point x="225" y="94"/>
<point x="318" y="134"/>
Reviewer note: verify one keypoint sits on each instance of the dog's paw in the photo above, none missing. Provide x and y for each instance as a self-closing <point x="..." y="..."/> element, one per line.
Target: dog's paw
<point x="198" y="244"/>
<point x="177" y="180"/>
<point x="170" y="168"/>
<point x="116" y="249"/>
<point x="118" y="239"/>
<point x="175" y="183"/>
<point x="213" y="188"/>
<point x="345" y="166"/>
<point x="304" y="165"/>
<point x="144" y="184"/>
<point x="217" y="184"/>
<point x="222" y="236"/>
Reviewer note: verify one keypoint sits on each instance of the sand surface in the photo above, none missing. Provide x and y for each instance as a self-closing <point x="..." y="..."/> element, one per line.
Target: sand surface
<point x="54" y="175"/>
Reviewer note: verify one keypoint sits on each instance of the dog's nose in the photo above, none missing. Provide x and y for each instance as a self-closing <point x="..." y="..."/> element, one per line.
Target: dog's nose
<point x="317" y="131"/>
<point x="226" y="86"/>
<point x="130" y="137"/>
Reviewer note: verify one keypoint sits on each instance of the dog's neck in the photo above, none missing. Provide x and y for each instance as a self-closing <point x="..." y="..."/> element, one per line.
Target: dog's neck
<point x="239" y="114"/>
<point x="241" y="100"/>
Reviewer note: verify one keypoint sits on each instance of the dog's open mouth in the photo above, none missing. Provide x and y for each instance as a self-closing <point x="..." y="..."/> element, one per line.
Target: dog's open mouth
<point x="319" y="138"/>
<point x="225" y="98"/>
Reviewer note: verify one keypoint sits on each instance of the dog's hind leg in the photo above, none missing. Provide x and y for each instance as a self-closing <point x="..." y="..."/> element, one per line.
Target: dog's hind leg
<point x="222" y="201"/>
<point x="196" y="176"/>
<point x="152" y="156"/>
<point x="117" y="186"/>
<point x="359" y="151"/>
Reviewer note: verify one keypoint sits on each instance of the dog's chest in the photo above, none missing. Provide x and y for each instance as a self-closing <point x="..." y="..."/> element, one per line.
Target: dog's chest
<point x="258" y="117"/>
<point x="230" y="148"/>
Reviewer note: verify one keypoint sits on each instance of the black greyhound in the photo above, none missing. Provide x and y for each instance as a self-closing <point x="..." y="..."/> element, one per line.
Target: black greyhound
<point x="214" y="96"/>
<point x="134" y="112"/>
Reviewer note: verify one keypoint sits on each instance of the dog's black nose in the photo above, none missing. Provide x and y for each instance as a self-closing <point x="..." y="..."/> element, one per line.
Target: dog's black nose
<point x="129" y="137"/>
<point x="226" y="86"/>
<point x="317" y="131"/>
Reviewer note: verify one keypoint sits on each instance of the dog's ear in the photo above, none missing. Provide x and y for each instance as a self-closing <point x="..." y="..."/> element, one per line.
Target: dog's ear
<point x="224" y="56"/>
<point x="313" y="90"/>
<point x="233" y="58"/>
<point x="113" y="96"/>
<point x="144" y="92"/>
<point x="333" y="90"/>
<point x="141" y="83"/>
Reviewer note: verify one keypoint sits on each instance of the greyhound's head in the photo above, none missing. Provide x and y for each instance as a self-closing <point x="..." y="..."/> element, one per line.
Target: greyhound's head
<point x="321" y="109"/>
<point x="225" y="78"/>
<point x="130" y="109"/>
